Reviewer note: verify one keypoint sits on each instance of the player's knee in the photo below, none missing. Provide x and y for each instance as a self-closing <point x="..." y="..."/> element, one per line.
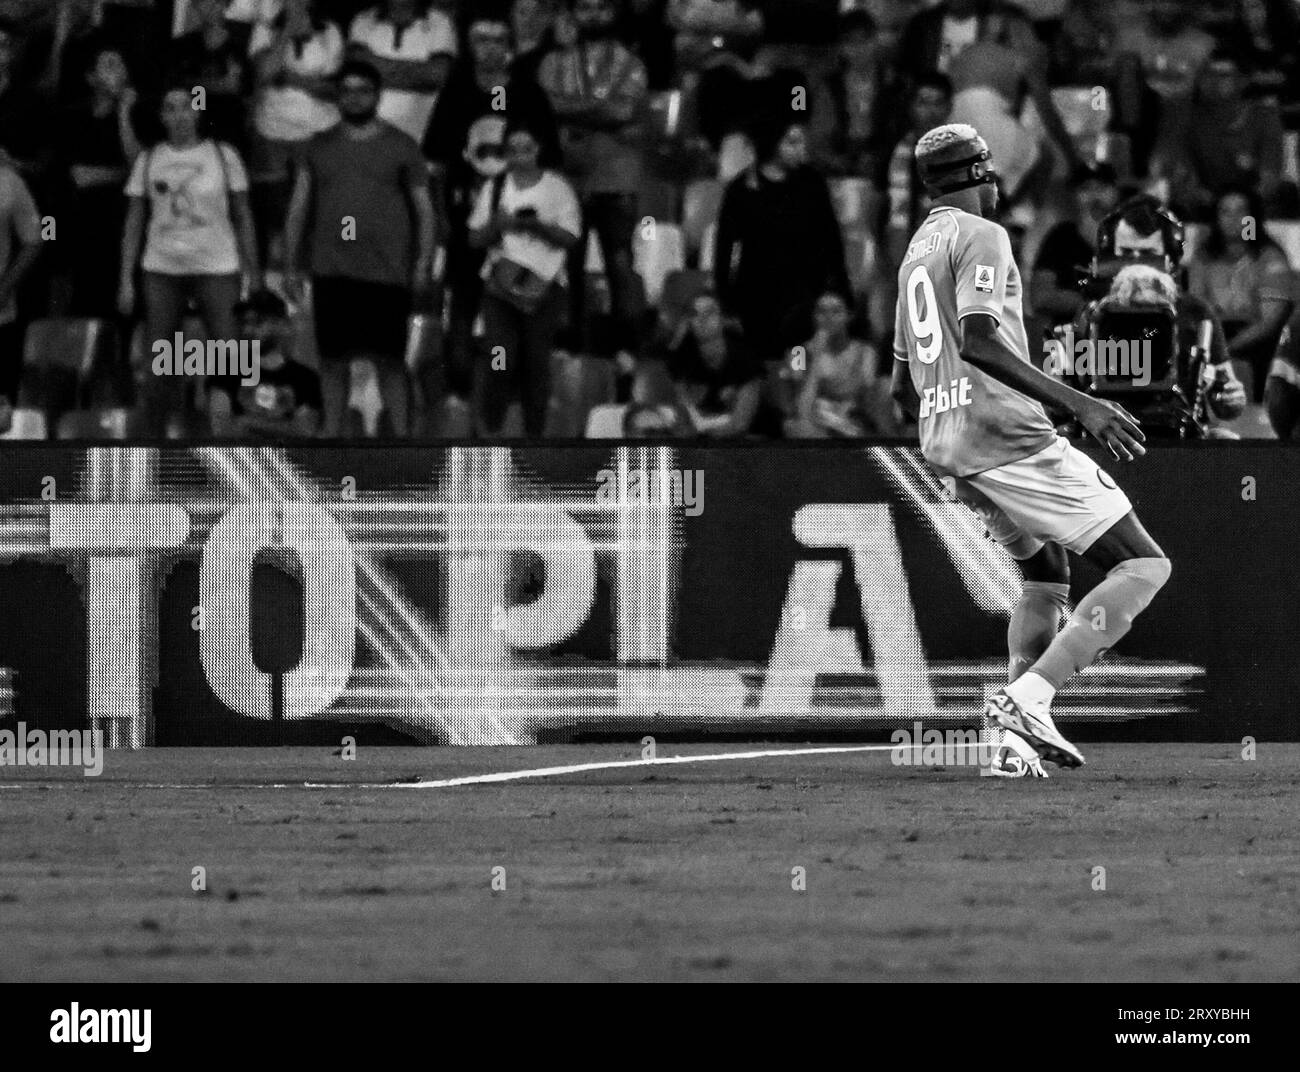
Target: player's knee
<point x="1049" y="565"/>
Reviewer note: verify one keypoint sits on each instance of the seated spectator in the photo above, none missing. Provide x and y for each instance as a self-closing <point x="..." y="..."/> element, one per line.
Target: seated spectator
<point x="1282" y="390"/>
<point x="214" y="58"/>
<point x="296" y="54"/>
<point x="842" y="392"/>
<point x="598" y="89"/>
<point x="1219" y="138"/>
<point x="851" y="106"/>
<point x="20" y="246"/>
<point x="98" y="145"/>
<point x="412" y="45"/>
<point x="189" y="214"/>
<point x="1246" y="281"/>
<point x="779" y="244"/>
<point x="1066" y="253"/>
<point x="526" y="219"/>
<point x="285" y="403"/>
<point x="715" y="373"/>
<point x="995" y="61"/>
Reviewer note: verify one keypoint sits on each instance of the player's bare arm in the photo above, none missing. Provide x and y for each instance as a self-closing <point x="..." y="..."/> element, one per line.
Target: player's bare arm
<point x="1110" y="424"/>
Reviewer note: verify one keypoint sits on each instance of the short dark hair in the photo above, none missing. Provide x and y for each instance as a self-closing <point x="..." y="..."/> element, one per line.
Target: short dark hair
<point x="360" y="69"/>
<point x="932" y="80"/>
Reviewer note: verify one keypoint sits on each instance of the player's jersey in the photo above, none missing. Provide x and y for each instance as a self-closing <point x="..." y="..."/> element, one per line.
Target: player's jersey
<point x="956" y="264"/>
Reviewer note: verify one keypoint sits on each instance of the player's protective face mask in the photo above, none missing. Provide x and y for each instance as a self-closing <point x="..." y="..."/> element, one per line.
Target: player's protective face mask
<point x="979" y="171"/>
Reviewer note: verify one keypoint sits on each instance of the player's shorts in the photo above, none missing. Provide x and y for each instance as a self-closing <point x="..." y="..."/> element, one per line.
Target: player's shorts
<point x="1058" y="495"/>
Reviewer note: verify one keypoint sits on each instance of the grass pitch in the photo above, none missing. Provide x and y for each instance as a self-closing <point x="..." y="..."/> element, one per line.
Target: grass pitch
<point x="668" y="873"/>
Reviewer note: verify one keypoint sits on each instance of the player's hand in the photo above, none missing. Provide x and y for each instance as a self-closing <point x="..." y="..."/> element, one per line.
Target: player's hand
<point x="1112" y="426"/>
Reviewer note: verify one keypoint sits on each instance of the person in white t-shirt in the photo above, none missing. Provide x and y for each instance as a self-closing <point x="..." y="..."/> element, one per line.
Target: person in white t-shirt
<point x="296" y="54"/>
<point x="526" y="219"/>
<point x="411" y="45"/>
<point x="190" y="215"/>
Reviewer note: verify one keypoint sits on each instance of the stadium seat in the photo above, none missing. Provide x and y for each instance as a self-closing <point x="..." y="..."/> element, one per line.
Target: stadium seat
<point x="60" y="358"/>
<point x="364" y="397"/>
<point x="735" y="154"/>
<point x="114" y="422"/>
<point x="665" y="114"/>
<point x="27" y="424"/>
<point x="654" y="258"/>
<point x="1286" y="233"/>
<point x="701" y="204"/>
<point x="579" y="385"/>
<point x="708" y="247"/>
<point x="606" y="422"/>
<point x="854" y="201"/>
<point x="859" y="257"/>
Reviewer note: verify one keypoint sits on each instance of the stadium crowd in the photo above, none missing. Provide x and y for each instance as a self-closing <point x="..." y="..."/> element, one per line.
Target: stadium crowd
<point x="595" y="217"/>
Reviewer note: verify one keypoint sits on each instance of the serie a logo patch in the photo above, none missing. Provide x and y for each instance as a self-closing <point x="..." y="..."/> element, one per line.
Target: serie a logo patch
<point x="984" y="278"/>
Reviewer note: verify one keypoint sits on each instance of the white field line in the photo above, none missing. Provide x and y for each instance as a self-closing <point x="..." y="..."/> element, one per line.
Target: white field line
<point x="515" y="776"/>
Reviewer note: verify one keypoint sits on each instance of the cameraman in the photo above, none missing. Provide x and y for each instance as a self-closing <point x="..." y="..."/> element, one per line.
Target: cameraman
<point x="1136" y="271"/>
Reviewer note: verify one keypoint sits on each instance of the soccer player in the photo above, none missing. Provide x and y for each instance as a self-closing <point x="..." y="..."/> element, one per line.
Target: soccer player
<point x="963" y="368"/>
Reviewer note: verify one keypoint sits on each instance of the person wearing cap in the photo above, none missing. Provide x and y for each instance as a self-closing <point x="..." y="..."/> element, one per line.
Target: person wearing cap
<point x="963" y="368"/>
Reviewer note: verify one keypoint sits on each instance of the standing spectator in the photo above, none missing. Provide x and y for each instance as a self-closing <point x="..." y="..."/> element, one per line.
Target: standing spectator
<point x="411" y="44"/>
<point x="24" y="118"/>
<point x="363" y="188"/>
<point x="1266" y="35"/>
<point x="1219" y="138"/>
<point x="598" y="90"/>
<point x="526" y="219"/>
<point x="995" y="61"/>
<point x="189" y="213"/>
<point x="214" y="58"/>
<point x="532" y="25"/>
<point x="1063" y="259"/>
<point x="466" y="143"/>
<point x="20" y="246"/>
<point x="852" y="103"/>
<point x="715" y="373"/>
<point x="98" y="146"/>
<point x="714" y="46"/>
<point x="778" y="227"/>
<point x="1247" y="282"/>
<point x="929" y="105"/>
<point x="1169" y="45"/>
<point x="296" y="54"/>
<point x="842" y="393"/>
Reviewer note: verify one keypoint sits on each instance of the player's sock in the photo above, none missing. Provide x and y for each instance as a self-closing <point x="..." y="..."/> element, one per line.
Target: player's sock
<point x="1034" y="624"/>
<point x="1100" y="621"/>
<point x="1031" y="690"/>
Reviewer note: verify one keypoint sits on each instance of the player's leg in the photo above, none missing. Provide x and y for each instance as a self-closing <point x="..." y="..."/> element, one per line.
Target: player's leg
<point x="1136" y="569"/>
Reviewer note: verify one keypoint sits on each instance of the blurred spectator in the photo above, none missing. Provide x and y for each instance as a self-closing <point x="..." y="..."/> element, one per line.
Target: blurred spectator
<point x="799" y="35"/>
<point x="929" y="105"/>
<point x="363" y="191"/>
<point x="25" y="125"/>
<point x="526" y="219"/>
<point x="411" y="44"/>
<point x="1245" y="280"/>
<point x="657" y="420"/>
<point x="715" y="373"/>
<point x="1169" y="45"/>
<point x="97" y="148"/>
<point x="1218" y="138"/>
<point x="995" y="61"/>
<point x="1064" y="258"/>
<point x="190" y="215"/>
<point x="779" y="244"/>
<point x="20" y="246"/>
<point x="842" y="393"/>
<point x="466" y="143"/>
<point x="214" y="58"/>
<point x="1266" y="36"/>
<point x="713" y="46"/>
<point x="599" y="92"/>
<point x="1282" y="391"/>
<point x="296" y="54"/>
<point x="532" y="26"/>
<point x="83" y="28"/>
<point x="851" y="106"/>
<point x="285" y="403"/>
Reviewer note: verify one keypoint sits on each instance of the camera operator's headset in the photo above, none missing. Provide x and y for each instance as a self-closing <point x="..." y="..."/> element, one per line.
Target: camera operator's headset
<point x="1172" y="234"/>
